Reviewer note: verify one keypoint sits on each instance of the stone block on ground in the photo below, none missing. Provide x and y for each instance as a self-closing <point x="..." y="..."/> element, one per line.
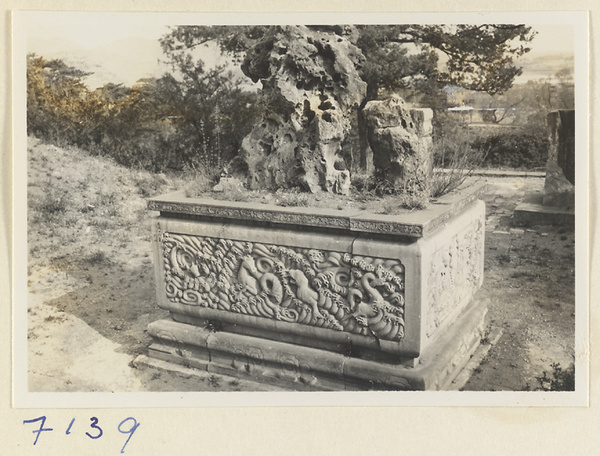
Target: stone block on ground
<point x="529" y="214"/>
<point x="376" y="288"/>
<point x="556" y="206"/>
<point x="560" y="168"/>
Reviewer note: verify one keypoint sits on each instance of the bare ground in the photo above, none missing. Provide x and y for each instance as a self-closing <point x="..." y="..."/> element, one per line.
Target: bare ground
<point x="91" y="284"/>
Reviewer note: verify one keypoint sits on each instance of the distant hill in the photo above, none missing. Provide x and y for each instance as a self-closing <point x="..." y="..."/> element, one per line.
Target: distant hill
<point x="543" y="66"/>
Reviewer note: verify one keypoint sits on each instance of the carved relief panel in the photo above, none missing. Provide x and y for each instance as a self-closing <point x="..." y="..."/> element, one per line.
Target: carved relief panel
<point x="455" y="274"/>
<point x="328" y="289"/>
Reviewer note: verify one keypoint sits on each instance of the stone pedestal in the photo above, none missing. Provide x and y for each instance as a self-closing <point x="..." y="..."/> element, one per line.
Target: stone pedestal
<point x="557" y="205"/>
<point x="319" y="299"/>
<point x="559" y="188"/>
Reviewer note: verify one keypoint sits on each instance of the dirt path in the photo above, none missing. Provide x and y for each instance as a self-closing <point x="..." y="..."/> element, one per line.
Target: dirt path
<point x="530" y="281"/>
<point x="91" y="294"/>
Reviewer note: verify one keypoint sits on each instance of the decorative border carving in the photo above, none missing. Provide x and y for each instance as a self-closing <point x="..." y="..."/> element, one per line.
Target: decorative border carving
<point x="351" y="223"/>
<point x="334" y="290"/>
<point x="386" y="227"/>
<point x="458" y="207"/>
<point x="251" y="214"/>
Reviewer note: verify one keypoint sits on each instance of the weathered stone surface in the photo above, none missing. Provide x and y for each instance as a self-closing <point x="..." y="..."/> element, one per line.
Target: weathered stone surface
<point x="444" y="270"/>
<point x="401" y="141"/>
<point x="560" y="168"/>
<point x="454" y="265"/>
<point x="298" y="368"/>
<point x="423" y="119"/>
<point x="414" y="224"/>
<point x="528" y="214"/>
<point x="343" y="286"/>
<point x="559" y="192"/>
<point x="334" y="290"/>
<point x="309" y="308"/>
<point x="310" y="87"/>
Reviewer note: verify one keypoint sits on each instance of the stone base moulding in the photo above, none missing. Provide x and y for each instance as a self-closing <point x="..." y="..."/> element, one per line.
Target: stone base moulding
<point x="353" y="291"/>
<point x="293" y="367"/>
<point x="528" y="214"/>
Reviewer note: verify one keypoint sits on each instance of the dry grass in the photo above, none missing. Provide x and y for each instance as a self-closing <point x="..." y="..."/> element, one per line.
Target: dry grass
<point x="74" y="198"/>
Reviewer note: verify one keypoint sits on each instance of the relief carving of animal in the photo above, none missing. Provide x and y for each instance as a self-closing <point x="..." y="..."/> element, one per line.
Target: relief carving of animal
<point x="246" y="275"/>
<point x="304" y="292"/>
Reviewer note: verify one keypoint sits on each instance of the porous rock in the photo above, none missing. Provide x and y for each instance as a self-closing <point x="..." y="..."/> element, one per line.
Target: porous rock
<point x="400" y="139"/>
<point x="310" y="88"/>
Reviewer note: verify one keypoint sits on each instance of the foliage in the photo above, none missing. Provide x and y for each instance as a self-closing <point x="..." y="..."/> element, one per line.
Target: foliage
<point x="398" y="57"/>
<point x="391" y="67"/>
<point x="292" y="198"/>
<point x="414" y="193"/>
<point x="56" y="102"/>
<point x="460" y="165"/>
<point x="456" y="155"/>
<point x="196" y="117"/>
<point x="200" y="179"/>
<point x="52" y="204"/>
<point x="458" y="145"/>
<point x="560" y="380"/>
<point x="480" y="57"/>
<point x="513" y="148"/>
<point x="159" y="124"/>
<point x="546" y="95"/>
<point x="97" y="257"/>
<point x="233" y="40"/>
<point x="525" y="104"/>
<point x="406" y="57"/>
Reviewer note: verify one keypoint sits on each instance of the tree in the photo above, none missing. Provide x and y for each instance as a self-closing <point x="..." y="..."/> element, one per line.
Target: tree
<point x="531" y="102"/>
<point x="213" y="105"/>
<point x="475" y="57"/>
<point x="552" y="94"/>
<point x="413" y="58"/>
<point x="56" y="98"/>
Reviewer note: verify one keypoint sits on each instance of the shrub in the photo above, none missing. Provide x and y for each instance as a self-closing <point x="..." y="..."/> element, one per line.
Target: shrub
<point x="456" y="154"/>
<point x="453" y="166"/>
<point x="97" y="257"/>
<point x="53" y="205"/>
<point x="455" y="143"/>
<point x="149" y="184"/>
<point x="293" y="198"/>
<point x="514" y="148"/>
<point x="157" y="125"/>
<point x="560" y="379"/>
<point x="200" y="179"/>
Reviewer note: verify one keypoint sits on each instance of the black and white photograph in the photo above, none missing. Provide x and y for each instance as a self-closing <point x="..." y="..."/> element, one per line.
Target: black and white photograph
<point x="388" y="205"/>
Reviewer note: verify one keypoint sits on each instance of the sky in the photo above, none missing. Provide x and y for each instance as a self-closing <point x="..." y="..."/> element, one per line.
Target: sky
<point x="124" y="46"/>
<point x="91" y="30"/>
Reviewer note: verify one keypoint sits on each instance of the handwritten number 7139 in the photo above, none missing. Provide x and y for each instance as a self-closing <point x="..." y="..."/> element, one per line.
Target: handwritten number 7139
<point x="127" y="426"/>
